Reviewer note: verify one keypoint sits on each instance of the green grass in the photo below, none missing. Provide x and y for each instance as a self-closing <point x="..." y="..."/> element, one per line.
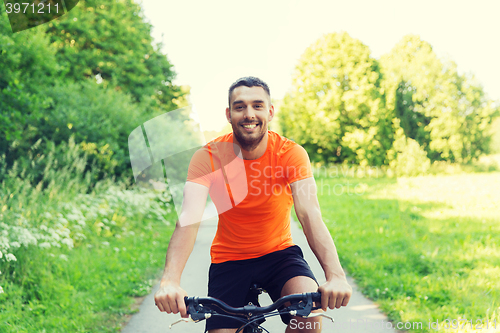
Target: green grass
<point x="87" y="289"/>
<point x="424" y="248"/>
<point x="75" y="251"/>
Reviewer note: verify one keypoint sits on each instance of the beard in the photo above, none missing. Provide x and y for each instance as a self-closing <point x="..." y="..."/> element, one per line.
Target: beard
<point x="249" y="141"/>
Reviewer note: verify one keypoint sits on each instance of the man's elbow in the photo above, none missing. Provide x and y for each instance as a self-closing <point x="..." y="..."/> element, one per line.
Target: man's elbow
<point x="308" y="216"/>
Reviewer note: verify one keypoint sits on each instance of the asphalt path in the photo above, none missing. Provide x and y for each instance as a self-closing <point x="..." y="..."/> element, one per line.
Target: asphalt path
<point x="360" y="316"/>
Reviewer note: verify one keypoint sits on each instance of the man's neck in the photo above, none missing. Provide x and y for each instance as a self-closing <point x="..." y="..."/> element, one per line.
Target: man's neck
<point x="255" y="153"/>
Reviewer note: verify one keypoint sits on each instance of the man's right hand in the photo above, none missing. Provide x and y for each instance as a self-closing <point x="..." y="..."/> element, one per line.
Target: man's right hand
<point x="170" y="299"/>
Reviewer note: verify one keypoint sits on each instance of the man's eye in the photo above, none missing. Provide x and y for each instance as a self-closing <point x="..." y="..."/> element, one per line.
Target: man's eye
<point x="258" y="106"/>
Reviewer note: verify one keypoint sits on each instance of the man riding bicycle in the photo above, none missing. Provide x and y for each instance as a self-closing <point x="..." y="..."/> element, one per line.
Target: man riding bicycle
<point x="253" y="243"/>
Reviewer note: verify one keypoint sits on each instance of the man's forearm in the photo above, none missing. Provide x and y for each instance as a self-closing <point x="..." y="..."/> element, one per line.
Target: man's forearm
<point x="322" y="245"/>
<point x="180" y="247"/>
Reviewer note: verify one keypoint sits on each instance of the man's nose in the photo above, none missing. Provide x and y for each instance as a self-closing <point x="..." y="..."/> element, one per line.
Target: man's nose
<point x="250" y="113"/>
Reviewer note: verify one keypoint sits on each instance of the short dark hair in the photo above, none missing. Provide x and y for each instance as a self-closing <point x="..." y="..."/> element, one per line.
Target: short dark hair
<point x="248" y="81"/>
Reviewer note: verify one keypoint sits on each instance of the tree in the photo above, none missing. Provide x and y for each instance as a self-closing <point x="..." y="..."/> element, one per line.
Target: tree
<point x="93" y="75"/>
<point x="27" y="65"/>
<point x="111" y="41"/>
<point x="446" y="113"/>
<point x="335" y="108"/>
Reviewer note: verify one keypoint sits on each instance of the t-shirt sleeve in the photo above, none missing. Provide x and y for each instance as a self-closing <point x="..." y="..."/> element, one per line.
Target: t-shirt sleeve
<point x="296" y="164"/>
<point x="200" y="168"/>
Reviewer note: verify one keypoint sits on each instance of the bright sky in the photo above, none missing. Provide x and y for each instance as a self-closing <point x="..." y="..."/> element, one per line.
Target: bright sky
<point x="212" y="43"/>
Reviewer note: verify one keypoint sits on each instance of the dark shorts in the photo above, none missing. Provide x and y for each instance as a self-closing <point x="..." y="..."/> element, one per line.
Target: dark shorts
<point x="230" y="281"/>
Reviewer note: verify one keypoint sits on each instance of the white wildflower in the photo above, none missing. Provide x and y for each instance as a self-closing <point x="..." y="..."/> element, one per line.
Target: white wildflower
<point x="68" y="242"/>
<point x="63" y="257"/>
<point x="55" y="236"/>
<point x="44" y="245"/>
<point x="1" y="290"/>
<point x="75" y="215"/>
<point x="105" y="243"/>
<point x="65" y="232"/>
<point x="15" y="244"/>
<point x="10" y="257"/>
<point x="116" y="249"/>
<point x="79" y="236"/>
<point x="26" y="238"/>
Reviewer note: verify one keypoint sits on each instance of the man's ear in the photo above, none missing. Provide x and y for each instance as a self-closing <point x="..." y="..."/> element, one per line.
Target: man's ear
<point x="271" y="112"/>
<point x="228" y="115"/>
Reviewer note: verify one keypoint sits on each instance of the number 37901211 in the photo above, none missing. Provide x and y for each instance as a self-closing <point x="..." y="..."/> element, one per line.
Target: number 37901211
<point x="32" y="8"/>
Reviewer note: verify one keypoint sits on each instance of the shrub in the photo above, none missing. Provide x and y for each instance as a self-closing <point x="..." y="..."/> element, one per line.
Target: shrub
<point x="411" y="158"/>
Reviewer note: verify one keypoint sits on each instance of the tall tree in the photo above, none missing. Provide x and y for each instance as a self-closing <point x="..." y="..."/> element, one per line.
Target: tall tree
<point x="93" y="74"/>
<point x="446" y="113"/>
<point x="111" y="41"/>
<point x="335" y="108"/>
<point x="27" y="65"/>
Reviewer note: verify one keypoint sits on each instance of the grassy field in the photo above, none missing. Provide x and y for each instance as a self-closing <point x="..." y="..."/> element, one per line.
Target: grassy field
<point x="90" y="287"/>
<point x="76" y="252"/>
<point x="424" y="248"/>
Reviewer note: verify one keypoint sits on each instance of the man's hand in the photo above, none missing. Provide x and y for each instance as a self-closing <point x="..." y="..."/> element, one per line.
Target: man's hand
<point x="335" y="293"/>
<point x="170" y="299"/>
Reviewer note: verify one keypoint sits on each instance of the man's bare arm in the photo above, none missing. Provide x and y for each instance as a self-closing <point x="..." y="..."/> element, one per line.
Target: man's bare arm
<point x="170" y="296"/>
<point x="336" y="292"/>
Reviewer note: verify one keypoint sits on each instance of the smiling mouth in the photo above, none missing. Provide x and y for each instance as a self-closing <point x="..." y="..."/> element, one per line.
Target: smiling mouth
<point x="249" y="126"/>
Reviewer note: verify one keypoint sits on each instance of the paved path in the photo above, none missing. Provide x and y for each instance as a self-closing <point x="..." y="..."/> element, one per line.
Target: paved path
<point x="360" y="316"/>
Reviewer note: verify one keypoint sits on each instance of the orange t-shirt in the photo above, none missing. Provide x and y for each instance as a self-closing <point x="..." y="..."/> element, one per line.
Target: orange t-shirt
<point x="253" y="197"/>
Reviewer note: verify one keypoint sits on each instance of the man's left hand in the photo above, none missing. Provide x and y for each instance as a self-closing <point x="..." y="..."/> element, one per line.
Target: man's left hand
<point x="335" y="293"/>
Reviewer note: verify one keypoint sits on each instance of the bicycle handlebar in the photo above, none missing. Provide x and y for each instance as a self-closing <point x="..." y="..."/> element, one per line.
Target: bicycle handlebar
<point x="302" y="305"/>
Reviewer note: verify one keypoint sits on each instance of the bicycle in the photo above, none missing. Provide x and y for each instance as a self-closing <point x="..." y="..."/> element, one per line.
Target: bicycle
<point x="252" y="316"/>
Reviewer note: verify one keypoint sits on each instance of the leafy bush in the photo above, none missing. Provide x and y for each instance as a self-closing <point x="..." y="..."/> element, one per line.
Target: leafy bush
<point x="411" y="159"/>
<point x="27" y="64"/>
<point x="94" y="115"/>
<point x="495" y="140"/>
<point x="71" y="223"/>
<point x="42" y="216"/>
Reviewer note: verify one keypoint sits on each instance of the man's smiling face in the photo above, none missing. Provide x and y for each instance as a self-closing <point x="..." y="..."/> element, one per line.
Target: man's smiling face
<point x="249" y="113"/>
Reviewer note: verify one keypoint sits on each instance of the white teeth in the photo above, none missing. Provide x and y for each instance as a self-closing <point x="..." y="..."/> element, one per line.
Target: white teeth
<point x="250" y="126"/>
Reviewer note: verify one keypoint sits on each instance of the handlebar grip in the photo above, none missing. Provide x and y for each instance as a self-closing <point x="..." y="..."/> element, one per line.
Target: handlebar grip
<point x="188" y="300"/>
<point x="316" y="297"/>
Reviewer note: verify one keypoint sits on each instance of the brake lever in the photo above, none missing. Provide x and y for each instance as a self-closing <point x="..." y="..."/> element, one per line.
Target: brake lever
<point x="187" y="320"/>
<point x="310" y="315"/>
<point x="316" y="314"/>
